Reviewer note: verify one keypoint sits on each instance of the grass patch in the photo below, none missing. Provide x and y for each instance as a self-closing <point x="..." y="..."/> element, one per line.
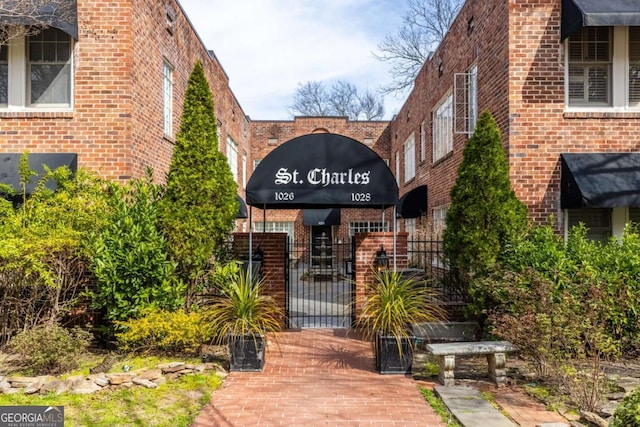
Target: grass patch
<point x="173" y="404"/>
<point x="438" y="405"/>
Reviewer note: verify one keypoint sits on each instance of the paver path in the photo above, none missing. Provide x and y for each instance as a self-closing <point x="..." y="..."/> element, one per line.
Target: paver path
<point x="318" y="377"/>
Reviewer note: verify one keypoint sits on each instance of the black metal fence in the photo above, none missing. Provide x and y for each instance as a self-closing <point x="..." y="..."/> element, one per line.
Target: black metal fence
<point x="428" y="257"/>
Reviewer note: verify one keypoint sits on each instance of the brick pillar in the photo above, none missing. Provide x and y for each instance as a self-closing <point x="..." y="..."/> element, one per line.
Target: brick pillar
<point x="273" y="246"/>
<point x="366" y="247"/>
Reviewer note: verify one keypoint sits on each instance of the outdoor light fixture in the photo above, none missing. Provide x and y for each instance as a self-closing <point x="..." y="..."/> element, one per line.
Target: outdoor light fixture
<point x="382" y="260"/>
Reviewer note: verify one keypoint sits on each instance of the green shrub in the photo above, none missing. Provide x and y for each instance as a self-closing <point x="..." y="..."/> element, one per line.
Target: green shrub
<point x="160" y="330"/>
<point x="628" y="413"/>
<point x="130" y="258"/>
<point x="51" y="349"/>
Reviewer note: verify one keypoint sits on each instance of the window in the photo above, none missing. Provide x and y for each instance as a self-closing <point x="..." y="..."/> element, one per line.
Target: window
<point x="36" y="71"/>
<point x="398" y="168"/>
<point x="443" y="129"/>
<point x="4" y="74"/>
<point x="410" y="158"/>
<point x="597" y="221"/>
<point x="244" y="170"/>
<point x="367" y="227"/>
<point x="466" y="101"/>
<point x="590" y="53"/>
<point x="232" y="157"/>
<point x="634" y="215"/>
<point x="276" y="227"/>
<point x="167" y="98"/>
<point x="439" y="220"/>
<point x="634" y="66"/>
<point x="423" y="141"/>
<point x="410" y="227"/>
<point x="604" y="68"/>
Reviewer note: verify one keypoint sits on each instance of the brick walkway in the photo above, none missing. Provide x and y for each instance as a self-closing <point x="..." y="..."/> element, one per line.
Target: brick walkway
<point x="318" y="377"/>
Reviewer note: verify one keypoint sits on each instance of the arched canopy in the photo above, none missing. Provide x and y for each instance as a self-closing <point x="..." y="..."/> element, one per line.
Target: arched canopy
<point x="413" y="204"/>
<point x="322" y="170"/>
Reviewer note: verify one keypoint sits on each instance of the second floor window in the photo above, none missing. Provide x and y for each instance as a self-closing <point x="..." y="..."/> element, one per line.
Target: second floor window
<point x="232" y="157"/>
<point x="443" y="128"/>
<point x="410" y="158"/>
<point x="604" y="68"/>
<point x="590" y="52"/>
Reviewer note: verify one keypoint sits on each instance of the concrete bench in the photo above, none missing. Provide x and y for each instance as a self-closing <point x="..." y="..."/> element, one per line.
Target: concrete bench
<point x="494" y="350"/>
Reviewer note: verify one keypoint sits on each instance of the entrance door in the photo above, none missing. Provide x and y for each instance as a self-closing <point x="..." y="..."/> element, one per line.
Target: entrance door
<point x="319" y="287"/>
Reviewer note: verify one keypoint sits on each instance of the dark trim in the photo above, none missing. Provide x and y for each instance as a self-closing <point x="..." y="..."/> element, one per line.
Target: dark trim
<point x="62" y="15"/>
<point x="598" y="13"/>
<point x="413" y="204"/>
<point x="599" y="180"/>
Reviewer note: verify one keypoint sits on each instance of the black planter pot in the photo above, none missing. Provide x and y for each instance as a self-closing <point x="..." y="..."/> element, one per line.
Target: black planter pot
<point x="246" y="353"/>
<point x="389" y="359"/>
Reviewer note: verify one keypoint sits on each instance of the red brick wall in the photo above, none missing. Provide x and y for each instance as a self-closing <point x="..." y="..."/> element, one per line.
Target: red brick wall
<point x="540" y="128"/>
<point x="116" y="125"/>
<point x="273" y="246"/>
<point x="484" y="45"/>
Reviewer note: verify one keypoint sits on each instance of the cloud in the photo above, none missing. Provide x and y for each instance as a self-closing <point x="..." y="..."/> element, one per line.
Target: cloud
<point x="268" y="47"/>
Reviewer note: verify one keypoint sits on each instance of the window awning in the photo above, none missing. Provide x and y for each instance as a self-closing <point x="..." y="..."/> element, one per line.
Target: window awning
<point x="321" y="216"/>
<point x="595" y="13"/>
<point x="10" y="175"/>
<point x="600" y="180"/>
<point x="61" y="14"/>
<point x="242" y="208"/>
<point x="413" y="204"/>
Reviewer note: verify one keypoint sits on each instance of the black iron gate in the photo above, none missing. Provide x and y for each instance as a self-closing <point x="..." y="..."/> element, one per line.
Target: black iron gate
<point x="320" y="288"/>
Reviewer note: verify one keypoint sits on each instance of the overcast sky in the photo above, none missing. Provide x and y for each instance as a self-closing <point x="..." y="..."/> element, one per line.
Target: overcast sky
<point x="268" y="47"/>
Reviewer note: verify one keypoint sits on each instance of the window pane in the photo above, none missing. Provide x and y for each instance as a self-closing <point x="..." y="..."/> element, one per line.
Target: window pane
<point x="50" y="67"/>
<point x="590" y="66"/>
<point x="634" y="66"/>
<point x="50" y="84"/>
<point x="596" y="220"/>
<point x="4" y="75"/>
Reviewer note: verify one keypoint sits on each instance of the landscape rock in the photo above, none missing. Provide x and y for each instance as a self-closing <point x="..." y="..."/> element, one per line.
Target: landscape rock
<point x="85" y="387"/>
<point x="21" y="382"/>
<point x="145" y="383"/>
<point x="101" y="381"/>
<point x="35" y="386"/>
<point x="120" y="378"/>
<point x="56" y="386"/>
<point x="171" y="367"/>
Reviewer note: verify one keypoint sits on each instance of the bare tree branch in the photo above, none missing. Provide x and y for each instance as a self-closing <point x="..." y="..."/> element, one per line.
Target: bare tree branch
<point x="344" y="99"/>
<point x="425" y="24"/>
<point x="19" y="18"/>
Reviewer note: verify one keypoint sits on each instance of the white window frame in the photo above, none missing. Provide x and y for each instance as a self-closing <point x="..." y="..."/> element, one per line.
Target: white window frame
<point x="410" y="158"/>
<point x="439" y="220"/>
<point x="620" y="75"/>
<point x="19" y="80"/>
<point x="367" y="227"/>
<point x="398" y="168"/>
<point x="232" y="157"/>
<point x="465" y="89"/>
<point x="244" y="170"/>
<point x="443" y="128"/>
<point x="167" y="98"/>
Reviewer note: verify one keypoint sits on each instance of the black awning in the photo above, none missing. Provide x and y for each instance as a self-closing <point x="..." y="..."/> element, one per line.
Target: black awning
<point x="413" y="204"/>
<point x="61" y="14"/>
<point x="9" y="173"/>
<point x="242" y="208"/>
<point x="321" y="216"/>
<point x="596" y="13"/>
<point x="600" y="180"/>
<point x="322" y="170"/>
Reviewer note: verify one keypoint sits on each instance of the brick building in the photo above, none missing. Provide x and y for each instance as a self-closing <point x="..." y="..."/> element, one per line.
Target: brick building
<point x="108" y="84"/>
<point x="561" y="78"/>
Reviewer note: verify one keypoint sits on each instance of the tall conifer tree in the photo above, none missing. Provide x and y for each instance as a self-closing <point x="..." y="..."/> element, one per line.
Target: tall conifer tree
<point x="484" y="213"/>
<point x="199" y="206"/>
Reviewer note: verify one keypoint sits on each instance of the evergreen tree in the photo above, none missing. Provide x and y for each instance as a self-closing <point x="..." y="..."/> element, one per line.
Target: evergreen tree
<point x="484" y="213"/>
<point x="199" y="206"/>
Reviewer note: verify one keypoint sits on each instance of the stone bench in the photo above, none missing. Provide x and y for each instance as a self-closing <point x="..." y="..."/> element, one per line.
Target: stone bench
<point x="494" y="350"/>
